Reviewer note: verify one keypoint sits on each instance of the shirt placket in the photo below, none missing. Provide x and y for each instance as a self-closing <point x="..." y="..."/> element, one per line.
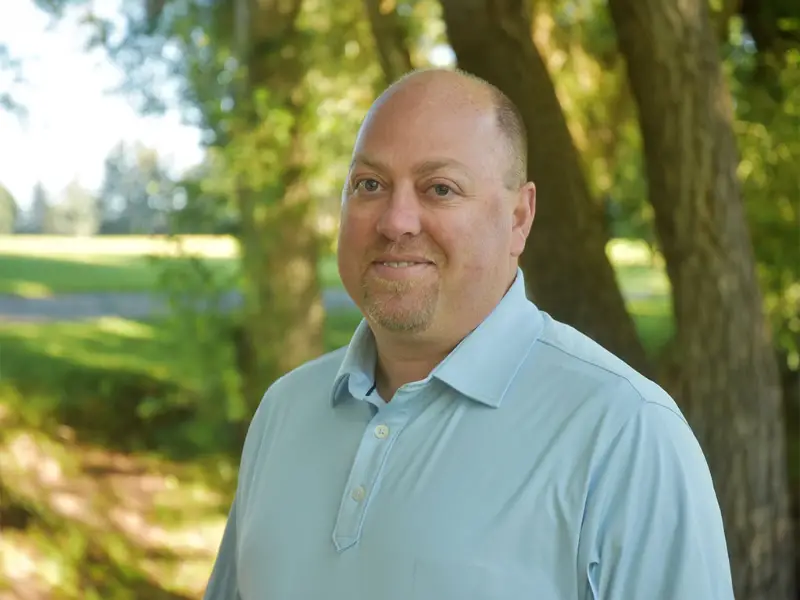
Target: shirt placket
<point x="363" y="483"/>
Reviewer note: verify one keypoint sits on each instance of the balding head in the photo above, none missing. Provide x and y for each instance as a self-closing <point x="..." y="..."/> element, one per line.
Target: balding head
<point x="447" y="86"/>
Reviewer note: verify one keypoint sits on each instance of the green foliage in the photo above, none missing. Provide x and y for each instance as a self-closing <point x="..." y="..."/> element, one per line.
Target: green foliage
<point x="200" y="329"/>
<point x="10" y="66"/>
<point x="768" y="132"/>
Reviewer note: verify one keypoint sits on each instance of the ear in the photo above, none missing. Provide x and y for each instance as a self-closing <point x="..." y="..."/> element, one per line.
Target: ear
<point x="522" y="218"/>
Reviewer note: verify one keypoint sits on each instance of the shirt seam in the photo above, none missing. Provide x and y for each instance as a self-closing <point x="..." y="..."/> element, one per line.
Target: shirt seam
<point x="621" y="376"/>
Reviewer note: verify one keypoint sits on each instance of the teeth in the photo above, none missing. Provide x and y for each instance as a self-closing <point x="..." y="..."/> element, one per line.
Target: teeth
<point x="398" y="265"/>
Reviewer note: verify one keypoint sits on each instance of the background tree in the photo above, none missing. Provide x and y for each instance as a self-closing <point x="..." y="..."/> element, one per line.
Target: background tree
<point x="77" y="212"/>
<point x="390" y="31"/>
<point x="10" y="81"/>
<point x="729" y="384"/>
<point x="136" y="194"/>
<point x="40" y="210"/>
<point x="9" y="212"/>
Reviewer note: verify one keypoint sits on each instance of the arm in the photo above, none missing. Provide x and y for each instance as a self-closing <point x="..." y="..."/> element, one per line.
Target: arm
<point x="653" y="527"/>
<point x="222" y="584"/>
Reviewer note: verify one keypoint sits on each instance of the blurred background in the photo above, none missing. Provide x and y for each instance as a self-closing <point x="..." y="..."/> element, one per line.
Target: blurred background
<point x="170" y="176"/>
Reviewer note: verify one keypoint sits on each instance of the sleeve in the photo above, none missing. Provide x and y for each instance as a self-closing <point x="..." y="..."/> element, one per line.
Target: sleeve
<point x="652" y="524"/>
<point x="222" y="584"/>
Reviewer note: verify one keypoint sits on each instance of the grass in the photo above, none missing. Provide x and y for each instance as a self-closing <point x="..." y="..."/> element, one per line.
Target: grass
<point x="41" y="266"/>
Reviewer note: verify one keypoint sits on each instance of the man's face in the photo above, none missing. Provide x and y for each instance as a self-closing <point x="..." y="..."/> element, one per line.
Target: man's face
<point x="429" y="231"/>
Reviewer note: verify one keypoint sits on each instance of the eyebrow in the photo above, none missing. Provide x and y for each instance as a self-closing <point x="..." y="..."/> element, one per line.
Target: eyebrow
<point x="424" y="168"/>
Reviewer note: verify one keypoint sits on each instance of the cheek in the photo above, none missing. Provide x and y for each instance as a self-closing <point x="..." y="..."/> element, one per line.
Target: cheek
<point x="356" y="234"/>
<point x="479" y="249"/>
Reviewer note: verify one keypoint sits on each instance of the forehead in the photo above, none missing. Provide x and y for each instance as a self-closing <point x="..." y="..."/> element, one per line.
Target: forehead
<point x="411" y="129"/>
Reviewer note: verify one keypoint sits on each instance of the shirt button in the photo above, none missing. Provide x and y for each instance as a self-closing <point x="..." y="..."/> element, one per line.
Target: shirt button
<point x="358" y="493"/>
<point x="381" y="432"/>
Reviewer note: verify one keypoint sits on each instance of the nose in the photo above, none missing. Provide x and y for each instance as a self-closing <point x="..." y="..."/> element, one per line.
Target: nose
<point x="401" y="214"/>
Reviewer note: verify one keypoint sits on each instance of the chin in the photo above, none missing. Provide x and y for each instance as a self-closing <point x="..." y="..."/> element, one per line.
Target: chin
<point x="399" y="319"/>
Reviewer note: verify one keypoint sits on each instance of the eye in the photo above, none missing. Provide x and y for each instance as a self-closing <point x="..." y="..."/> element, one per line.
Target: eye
<point x="441" y="190"/>
<point x="368" y="185"/>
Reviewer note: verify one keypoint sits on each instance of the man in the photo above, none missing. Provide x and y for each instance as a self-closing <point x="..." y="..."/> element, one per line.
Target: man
<point x="464" y="445"/>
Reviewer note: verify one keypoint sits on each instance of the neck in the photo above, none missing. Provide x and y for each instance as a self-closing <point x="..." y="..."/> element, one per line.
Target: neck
<point x="407" y="357"/>
<point x="402" y="361"/>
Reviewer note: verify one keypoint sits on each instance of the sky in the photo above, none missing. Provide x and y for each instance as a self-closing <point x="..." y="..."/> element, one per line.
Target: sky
<point x="74" y="118"/>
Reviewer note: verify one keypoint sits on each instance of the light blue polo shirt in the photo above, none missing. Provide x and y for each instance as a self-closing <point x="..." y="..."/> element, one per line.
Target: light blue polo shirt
<point x="530" y="464"/>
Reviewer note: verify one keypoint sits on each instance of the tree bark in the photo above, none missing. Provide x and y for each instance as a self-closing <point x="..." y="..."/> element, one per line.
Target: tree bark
<point x="565" y="261"/>
<point x="390" y="38"/>
<point x="280" y="247"/>
<point x="729" y="384"/>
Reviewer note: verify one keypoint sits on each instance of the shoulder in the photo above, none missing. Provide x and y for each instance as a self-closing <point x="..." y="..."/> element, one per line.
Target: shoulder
<point x="313" y="376"/>
<point x="592" y="394"/>
<point x="573" y="359"/>
<point x="637" y="418"/>
<point x="310" y="382"/>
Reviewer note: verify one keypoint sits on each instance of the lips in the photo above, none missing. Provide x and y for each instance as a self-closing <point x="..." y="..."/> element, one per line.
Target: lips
<point x="399" y="264"/>
<point x="397" y="259"/>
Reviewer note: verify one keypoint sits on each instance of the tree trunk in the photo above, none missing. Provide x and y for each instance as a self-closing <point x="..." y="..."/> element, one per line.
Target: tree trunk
<point x="729" y="378"/>
<point x="390" y="38"/>
<point x="569" y="272"/>
<point x="280" y="247"/>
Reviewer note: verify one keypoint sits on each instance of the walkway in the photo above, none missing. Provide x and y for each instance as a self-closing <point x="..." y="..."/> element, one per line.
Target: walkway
<point x="129" y="305"/>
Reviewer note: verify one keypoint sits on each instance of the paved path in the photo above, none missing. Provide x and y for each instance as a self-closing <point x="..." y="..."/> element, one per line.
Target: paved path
<point x="129" y="305"/>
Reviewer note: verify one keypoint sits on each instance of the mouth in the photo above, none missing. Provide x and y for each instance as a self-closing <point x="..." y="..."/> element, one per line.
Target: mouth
<point x="400" y="269"/>
<point x="401" y="264"/>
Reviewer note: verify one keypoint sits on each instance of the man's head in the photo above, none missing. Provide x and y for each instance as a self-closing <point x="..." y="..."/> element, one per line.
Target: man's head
<point x="436" y="209"/>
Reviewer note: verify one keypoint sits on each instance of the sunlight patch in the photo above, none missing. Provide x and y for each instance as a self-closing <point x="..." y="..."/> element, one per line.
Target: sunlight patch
<point x="31" y="289"/>
<point x="125" y="327"/>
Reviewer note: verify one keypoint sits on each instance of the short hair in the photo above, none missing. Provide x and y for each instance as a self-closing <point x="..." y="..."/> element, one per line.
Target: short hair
<point x="512" y="126"/>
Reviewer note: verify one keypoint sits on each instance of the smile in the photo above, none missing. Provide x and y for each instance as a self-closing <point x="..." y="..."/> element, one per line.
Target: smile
<point x="400" y="265"/>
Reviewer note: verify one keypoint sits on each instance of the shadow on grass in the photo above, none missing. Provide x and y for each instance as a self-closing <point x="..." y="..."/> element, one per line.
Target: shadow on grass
<point x="93" y="536"/>
<point x="96" y="376"/>
<point x="96" y="385"/>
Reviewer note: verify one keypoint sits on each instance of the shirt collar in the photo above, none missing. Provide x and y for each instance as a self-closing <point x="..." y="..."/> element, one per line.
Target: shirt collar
<point x="481" y="367"/>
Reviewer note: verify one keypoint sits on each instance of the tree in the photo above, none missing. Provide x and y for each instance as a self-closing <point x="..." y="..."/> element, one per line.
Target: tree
<point x="729" y="384"/>
<point x="40" y="210"/>
<point x="77" y="213"/>
<point x="279" y="245"/>
<point x="390" y="33"/>
<point x="136" y="193"/>
<point x="11" y="67"/>
<point x="566" y="262"/>
<point x="9" y="211"/>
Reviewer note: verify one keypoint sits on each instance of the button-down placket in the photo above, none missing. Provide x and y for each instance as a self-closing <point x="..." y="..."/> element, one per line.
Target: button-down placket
<point x="373" y="453"/>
